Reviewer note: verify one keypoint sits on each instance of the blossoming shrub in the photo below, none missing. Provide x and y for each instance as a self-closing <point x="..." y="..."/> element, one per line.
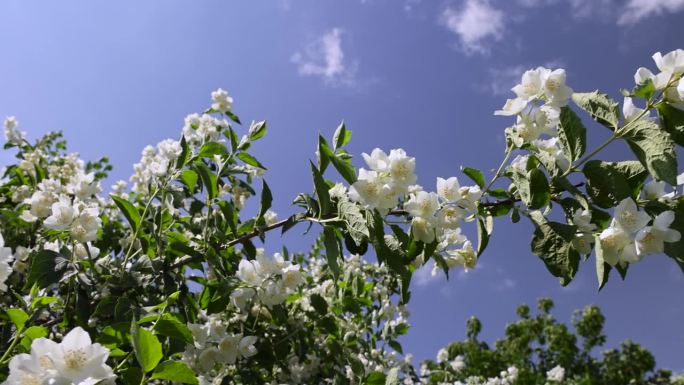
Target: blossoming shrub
<point x="539" y="350"/>
<point x="170" y="281"/>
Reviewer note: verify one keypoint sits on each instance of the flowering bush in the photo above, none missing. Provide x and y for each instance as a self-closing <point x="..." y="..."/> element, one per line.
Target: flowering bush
<point x="168" y="280"/>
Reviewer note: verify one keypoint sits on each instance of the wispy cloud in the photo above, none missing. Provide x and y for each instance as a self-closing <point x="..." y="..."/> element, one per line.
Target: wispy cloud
<point x="637" y="10"/>
<point x="325" y="58"/>
<point x="476" y="24"/>
<point x="622" y="12"/>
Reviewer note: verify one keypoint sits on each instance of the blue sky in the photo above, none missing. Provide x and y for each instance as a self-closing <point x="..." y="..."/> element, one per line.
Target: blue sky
<point x="422" y="75"/>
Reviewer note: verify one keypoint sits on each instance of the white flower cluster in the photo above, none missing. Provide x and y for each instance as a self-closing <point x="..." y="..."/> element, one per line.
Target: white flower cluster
<point x="154" y="163"/>
<point x="13" y="135"/>
<point x="214" y="347"/>
<point x="435" y="215"/>
<point x="5" y="259"/>
<point x="203" y="128"/>
<point x="540" y="95"/>
<point x="271" y="276"/>
<point x="630" y="237"/>
<point x="389" y="178"/>
<point x="75" y="360"/>
<point x="555" y="375"/>
<point x="668" y="80"/>
<point x="506" y="377"/>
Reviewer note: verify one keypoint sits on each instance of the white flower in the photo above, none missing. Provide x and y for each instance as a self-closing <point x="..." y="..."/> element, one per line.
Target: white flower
<point x="519" y="164"/>
<point x="555" y="88"/>
<point x="465" y="256"/>
<point x="13" y="135"/>
<point x="222" y="102"/>
<point x="423" y="204"/>
<point x="613" y="241"/>
<point x="169" y="149"/>
<point x="240" y="296"/>
<point x="643" y="75"/>
<point x="470" y="197"/>
<point x="5" y="259"/>
<point x="628" y="216"/>
<point x="442" y="355"/>
<point x="512" y="107"/>
<point x="557" y="374"/>
<point x="531" y="84"/>
<point x="292" y="277"/>
<point x="338" y="191"/>
<point x="85" y="226"/>
<point x="76" y="360"/>
<point x="550" y="147"/>
<point x="422" y="229"/>
<point x="247" y="348"/>
<point x="650" y="239"/>
<point x="582" y="219"/>
<point x="247" y="273"/>
<point x="631" y="112"/>
<point x="377" y="160"/>
<point x="654" y="190"/>
<point x="458" y="363"/>
<point x="269" y="264"/>
<point x="401" y="168"/>
<point x="672" y="62"/>
<point x="447" y="189"/>
<point x="680" y="89"/>
<point x="228" y="348"/>
<point x="372" y="191"/>
<point x="80" y="361"/>
<point x="272" y="293"/>
<point x="63" y="214"/>
<point x="450" y="216"/>
<point x="270" y="217"/>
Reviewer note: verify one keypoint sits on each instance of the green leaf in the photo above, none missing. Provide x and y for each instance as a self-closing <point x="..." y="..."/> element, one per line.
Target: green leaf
<point x="147" y="348"/>
<point x="608" y="183"/>
<point x="342" y="136"/>
<point x="319" y="304"/>
<point x="673" y="122"/>
<point x="128" y="210"/>
<point x="18" y="317"/>
<point x="175" y="371"/>
<point x="483" y="234"/>
<point x="184" y="155"/>
<point x="257" y="130"/>
<point x="375" y="378"/>
<point x="32" y="333"/>
<point x="47" y="267"/>
<point x="350" y="213"/>
<point x="645" y="90"/>
<point x="533" y="188"/>
<point x="131" y="375"/>
<point x="209" y="149"/>
<point x="602" y="268"/>
<point x="189" y="179"/>
<point x="552" y="242"/>
<point x="654" y="147"/>
<point x="572" y="134"/>
<point x="171" y="327"/>
<point x="321" y="189"/>
<point x="476" y="175"/>
<point x="208" y="179"/>
<point x="345" y="168"/>
<point x="601" y="107"/>
<point x="332" y="250"/>
<point x="250" y="160"/>
<point x="266" y="198"/>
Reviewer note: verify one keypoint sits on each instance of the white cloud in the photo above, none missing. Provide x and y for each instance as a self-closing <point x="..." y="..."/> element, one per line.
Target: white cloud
<point x="476" y="23"/>
<point x="637" y="10"/>
<point x="507" y="284"/>
<point x="501" y="80"/>
<point x="325" y="58"/>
